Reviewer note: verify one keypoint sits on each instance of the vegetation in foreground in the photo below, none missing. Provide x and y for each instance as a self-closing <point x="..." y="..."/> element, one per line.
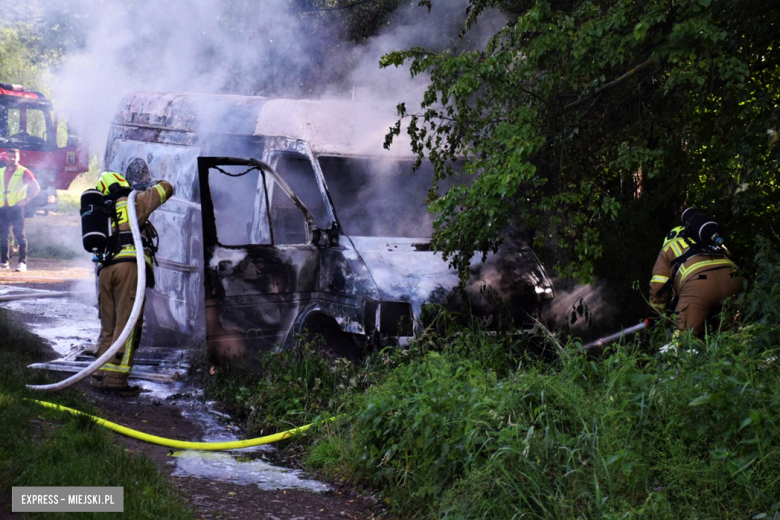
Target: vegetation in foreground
<point x="468" y="426"/>
<point x="591" y="124"/>
<point x="43" y="447"/>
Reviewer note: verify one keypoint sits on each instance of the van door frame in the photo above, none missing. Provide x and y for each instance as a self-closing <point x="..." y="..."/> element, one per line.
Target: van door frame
<point x="207" y="206"/>
<point x="253" y="298"/>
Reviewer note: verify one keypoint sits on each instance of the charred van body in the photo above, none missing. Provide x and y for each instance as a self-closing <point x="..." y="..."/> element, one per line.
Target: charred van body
<point x="289" y="216"/>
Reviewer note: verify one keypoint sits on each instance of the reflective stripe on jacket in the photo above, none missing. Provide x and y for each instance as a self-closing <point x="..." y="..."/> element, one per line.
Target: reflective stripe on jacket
<point x="17" y="188"/>
<point x="675" y="246"/>
<point x="128" y="251"/>
<point x="145" y="203"/>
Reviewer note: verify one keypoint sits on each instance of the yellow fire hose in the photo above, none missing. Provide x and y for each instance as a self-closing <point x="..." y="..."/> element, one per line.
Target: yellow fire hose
<point x="184" y="445"/>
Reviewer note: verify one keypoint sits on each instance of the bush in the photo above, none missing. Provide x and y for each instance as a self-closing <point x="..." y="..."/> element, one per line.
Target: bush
<point x="283" y="389"/>
<point x="687" y="435"/>
<point x="694" y="435"/>
<point x="465" y="424"/>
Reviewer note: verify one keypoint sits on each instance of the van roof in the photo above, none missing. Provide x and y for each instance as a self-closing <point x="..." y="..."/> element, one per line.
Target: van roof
<point x="331" y="127"/>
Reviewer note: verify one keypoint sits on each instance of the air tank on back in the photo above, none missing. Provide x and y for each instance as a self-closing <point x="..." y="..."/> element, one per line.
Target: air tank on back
<point x="94" y="221"/>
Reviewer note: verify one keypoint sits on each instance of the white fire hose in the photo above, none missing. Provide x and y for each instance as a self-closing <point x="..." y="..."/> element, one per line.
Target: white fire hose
<point x="38" y="296"/>
<point x="140" y="292"/>
<point x="599" y="344"/>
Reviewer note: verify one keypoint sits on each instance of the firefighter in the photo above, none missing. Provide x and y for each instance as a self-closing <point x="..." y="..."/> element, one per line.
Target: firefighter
<point x="697" y="274"/>
<point x="118" y="277"/>
<point x="18" y="188"/>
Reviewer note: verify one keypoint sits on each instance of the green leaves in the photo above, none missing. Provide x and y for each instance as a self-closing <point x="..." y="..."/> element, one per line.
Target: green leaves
<point x="702" y="399"/>
<point x="24" y="56"/>
<point x="640" y="30"/>
<point x="580" y="115"/>
<point x="448" y="434"/>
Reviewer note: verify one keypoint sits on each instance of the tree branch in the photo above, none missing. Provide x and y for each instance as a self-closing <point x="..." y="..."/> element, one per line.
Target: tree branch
<point x="631" y="73"/>
<point x="338" y="7"/>
<point x="536" y="96"/>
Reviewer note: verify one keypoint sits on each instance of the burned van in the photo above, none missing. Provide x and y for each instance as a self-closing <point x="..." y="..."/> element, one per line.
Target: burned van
<point x="290" y="216"/>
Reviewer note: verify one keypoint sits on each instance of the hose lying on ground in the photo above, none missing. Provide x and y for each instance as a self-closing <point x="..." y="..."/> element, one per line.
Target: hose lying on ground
<point x="37" y="280"/>
<point x="35" y="296"/>
<point x="184" y="445"/>
<point x="140" y="292"/>
<point x="599" y="344"/>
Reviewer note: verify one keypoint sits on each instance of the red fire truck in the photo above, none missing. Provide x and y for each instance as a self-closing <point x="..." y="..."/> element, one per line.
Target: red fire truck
<point x="28" y="122"/>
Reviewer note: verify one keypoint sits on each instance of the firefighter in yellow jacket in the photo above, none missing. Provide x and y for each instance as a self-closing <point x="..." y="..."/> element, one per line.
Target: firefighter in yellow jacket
<point x="694" y="268"/>
<point x="118" y="276"/>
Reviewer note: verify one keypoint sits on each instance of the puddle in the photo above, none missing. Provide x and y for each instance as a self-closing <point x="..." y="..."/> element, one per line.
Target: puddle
<point x="67" y="323"/>
<point x="248" y="466"/>
<point x="161" y="391"/>
<point x="240" y="468"/>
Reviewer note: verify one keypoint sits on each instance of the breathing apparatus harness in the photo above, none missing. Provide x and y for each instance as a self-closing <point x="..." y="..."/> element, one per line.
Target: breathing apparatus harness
<point x="704" y="238"/>
<point x="117" y="241"/>
<point x="99" y="214"/>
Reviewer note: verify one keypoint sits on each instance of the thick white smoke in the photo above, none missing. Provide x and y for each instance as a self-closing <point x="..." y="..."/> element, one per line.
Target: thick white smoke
<point x="409" y="26"/>
<point x="272" y="48"/>
<point x="183" y="46"/>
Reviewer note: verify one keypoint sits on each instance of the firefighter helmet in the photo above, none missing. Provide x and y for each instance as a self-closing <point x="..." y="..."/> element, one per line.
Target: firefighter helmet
<point x="110" y="182"/>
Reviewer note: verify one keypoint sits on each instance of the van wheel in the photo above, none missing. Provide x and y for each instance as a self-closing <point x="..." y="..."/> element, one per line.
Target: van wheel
<point x="326" y="336"/>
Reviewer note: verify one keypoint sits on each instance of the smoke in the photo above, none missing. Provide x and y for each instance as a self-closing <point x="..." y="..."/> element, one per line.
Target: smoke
<point x="587" y="311"/>
<point x="269" y="48"/>
<point x="272" y="48"/>
<point x="379" y="198"/>
<point x="183" y="46"/>
<point x="411" y="26"/>
<point x="60" y="239"/>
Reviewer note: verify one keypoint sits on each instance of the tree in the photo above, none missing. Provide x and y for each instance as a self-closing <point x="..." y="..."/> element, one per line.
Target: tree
<point x="24" y="58"/>
<point x="590" y="125"/>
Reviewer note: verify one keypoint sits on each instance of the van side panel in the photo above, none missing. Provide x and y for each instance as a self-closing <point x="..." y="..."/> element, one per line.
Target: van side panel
<point x="175" y="303"/>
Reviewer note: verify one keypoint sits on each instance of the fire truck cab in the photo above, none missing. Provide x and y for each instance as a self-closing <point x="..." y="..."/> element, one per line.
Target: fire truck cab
<point x="28" y="122"/>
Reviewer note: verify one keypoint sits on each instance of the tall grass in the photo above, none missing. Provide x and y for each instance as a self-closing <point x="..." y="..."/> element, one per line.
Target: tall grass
<point x="469" y="425"/>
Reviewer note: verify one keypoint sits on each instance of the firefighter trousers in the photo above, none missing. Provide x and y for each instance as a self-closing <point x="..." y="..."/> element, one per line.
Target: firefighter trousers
<point x="703" y="294"/>
<point x="115" y="302"/>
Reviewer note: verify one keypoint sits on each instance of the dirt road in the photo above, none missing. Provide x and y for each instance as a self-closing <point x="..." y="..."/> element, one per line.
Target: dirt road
<point x="229" y="495"/>
<point x="245" y="484"/>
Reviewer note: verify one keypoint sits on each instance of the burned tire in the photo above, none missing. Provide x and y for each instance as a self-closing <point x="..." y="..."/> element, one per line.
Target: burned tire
<point x="322" y="332"/>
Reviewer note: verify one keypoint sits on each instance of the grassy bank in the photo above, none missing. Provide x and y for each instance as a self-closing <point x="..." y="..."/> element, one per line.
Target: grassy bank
<point x="43" y="447"/>
<point x="468" y="426"/>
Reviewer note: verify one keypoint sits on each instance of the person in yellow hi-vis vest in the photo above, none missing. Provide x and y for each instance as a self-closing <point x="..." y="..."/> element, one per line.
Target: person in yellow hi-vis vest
<point x="18" y="188"/>
<point x="118" y="277"/>
<point x="695" y="268"/>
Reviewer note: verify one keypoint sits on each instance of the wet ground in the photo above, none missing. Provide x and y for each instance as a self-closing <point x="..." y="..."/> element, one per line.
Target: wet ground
<point x="248" y="483"/>
<point x="66" y="323"/>
<point x="235" y="484"/>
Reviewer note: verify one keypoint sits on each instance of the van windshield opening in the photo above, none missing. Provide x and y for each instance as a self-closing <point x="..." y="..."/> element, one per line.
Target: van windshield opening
<point x="380" y="197"/>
